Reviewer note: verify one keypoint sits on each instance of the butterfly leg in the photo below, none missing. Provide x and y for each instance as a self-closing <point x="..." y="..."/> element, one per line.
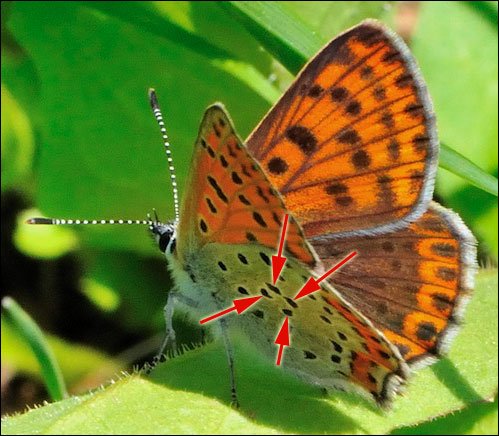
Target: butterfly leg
<point x="186" y="300"/>
<point x="170" y="332"/>
<point x="230" y="358"/>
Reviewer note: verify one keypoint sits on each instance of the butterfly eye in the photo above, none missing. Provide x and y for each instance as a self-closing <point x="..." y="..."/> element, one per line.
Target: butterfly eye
<point x="164" y="235"/>
<point x="164" y="240"/>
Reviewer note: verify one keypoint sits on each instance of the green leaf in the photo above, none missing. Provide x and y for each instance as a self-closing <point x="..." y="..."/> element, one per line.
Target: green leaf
<point x="488" y="10"/>
<point x="190" y="393"/>
<point x="33" y="336"/>
<point x="456" y="47"/>
<point x="77" y="362"/>
<point x="191" y="25"/>
<point x="284" y="36"/>
<point x="480" y="418"/>
<point x="51" y="241"/>
<point x="139" y="289"/>
<point x="17" y="142"/>
<point x="459" y="165"/>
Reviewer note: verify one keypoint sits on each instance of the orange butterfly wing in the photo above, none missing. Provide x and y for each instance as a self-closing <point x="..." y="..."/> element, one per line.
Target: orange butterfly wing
<point x="352" y="145"/>
<point x="230" y="199"/>
<point x="413" y="284"/>
<point x="351" y="151"/>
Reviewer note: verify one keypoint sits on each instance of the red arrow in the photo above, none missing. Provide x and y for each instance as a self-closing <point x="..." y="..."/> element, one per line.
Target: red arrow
<point x="282" y="339"/>
<point x="278" y="261"/>
<point x="313" y="285"/>
<point x="240" y="305"/>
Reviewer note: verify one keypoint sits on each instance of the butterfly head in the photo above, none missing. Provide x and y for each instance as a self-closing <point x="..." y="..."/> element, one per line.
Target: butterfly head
<point x="165" y="235"/>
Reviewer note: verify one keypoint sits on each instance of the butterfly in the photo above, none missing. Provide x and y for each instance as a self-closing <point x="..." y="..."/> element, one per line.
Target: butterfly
<point x="350" y="152"/>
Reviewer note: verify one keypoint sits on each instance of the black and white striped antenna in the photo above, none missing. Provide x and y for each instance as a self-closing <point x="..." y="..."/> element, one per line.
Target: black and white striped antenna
<point x="149" y="222"/>
<point x="159" y="118"/>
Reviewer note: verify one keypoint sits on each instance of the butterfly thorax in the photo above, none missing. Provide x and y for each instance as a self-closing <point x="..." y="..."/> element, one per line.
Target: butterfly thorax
<point x="189" y="277"/>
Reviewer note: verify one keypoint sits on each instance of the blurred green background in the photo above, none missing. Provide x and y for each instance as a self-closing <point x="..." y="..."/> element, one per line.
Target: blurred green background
<point x="79" y="141"/>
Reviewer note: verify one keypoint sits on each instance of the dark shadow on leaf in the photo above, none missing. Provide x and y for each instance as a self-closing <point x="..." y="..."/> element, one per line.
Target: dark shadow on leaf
<point x="486" y="9"/>
<point x="450" y="376"/>
<point x="151" y="18"/>
<point x="462" y="422"/>
<point x="266" y="394"/>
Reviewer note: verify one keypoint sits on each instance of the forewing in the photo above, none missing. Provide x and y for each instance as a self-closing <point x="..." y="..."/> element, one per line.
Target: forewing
<point x="229" y="199"/>
<point x="352" y="145"/>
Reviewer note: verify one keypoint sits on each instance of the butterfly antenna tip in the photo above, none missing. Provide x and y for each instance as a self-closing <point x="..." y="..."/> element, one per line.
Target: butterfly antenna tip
<point x="159" y="118"/>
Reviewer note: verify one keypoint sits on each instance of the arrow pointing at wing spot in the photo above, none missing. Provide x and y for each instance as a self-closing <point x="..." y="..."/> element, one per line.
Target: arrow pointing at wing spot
<point x="240" y="305"/>
<point x="312" y="284"/>
<point x="282" y="339"/>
